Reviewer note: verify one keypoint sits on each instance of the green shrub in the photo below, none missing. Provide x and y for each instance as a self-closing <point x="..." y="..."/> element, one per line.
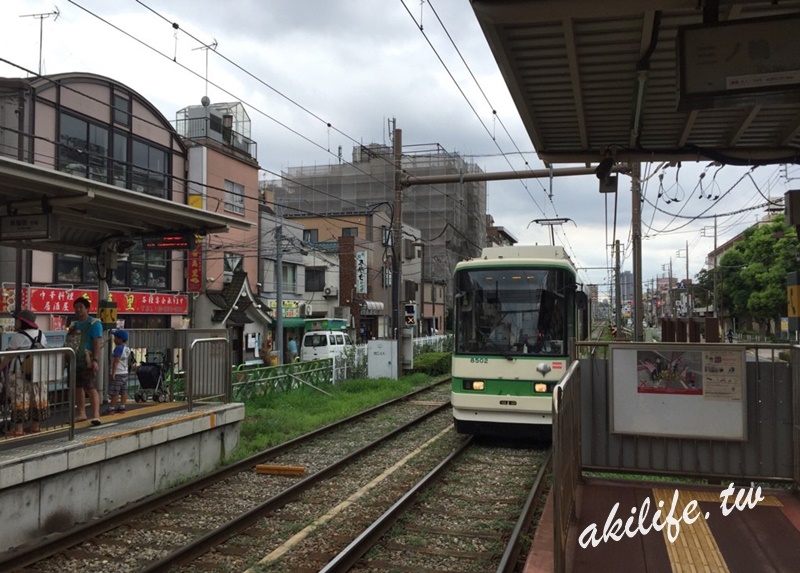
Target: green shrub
<point x="433" y="363"/>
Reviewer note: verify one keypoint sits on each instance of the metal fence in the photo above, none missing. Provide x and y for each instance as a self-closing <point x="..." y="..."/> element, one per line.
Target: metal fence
<point x="253" y="381"/>
<point x="208" y="370"/>
<point x="41" y="390"/>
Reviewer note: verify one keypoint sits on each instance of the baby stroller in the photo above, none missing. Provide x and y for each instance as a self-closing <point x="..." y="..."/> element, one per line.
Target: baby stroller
<point x="152" y="377"/>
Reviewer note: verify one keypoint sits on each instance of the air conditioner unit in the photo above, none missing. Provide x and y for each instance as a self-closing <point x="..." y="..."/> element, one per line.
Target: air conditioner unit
<point x="331" y="291"/>
<point x="309" y="310"/>
<point x="227" y="277"/>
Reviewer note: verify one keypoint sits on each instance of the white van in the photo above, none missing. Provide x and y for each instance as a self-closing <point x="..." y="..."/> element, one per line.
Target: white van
<point x="318" y="344"/>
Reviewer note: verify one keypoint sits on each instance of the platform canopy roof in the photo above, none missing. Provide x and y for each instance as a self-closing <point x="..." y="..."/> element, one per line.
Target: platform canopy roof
<point x="84" y="214"/>
<point x="599" y="78"/>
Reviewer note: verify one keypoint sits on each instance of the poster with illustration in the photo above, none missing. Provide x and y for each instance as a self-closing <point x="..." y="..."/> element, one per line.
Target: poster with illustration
<point x="674" y="372"/>
<point x="677" y="390"/>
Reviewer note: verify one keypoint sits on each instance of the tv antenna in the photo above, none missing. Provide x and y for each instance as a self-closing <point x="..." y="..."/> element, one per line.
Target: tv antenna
<point x="42" y="17"/>
<point x="212" y="46"/>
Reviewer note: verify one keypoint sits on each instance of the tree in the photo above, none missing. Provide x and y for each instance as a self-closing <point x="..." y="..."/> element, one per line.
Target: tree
<point x="703" y="289"/>
<point x="753" y="274"/>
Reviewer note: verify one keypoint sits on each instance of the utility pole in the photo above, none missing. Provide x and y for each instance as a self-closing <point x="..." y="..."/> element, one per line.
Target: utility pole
<point x="618" y="287"/>
<point x="688" y="290"/>
<point x="397" y="246"/>
<point x="279" y="284"/>
<point x="716" y="270"/>
<point x="636" y="239"/>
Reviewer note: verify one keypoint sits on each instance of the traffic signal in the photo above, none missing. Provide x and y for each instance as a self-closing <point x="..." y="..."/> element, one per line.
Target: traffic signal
<point x="411" y="314"/>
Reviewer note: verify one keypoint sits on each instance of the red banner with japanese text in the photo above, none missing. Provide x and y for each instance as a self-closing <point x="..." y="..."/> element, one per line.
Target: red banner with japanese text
<point x="49" y="300"/>
<point x="194" y="267"/>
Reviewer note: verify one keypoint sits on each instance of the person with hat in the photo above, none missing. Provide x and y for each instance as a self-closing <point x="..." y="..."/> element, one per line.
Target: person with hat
<point x="85" y="336"/>
<point x="118" y="383"/>
<point x="28" y="394"/>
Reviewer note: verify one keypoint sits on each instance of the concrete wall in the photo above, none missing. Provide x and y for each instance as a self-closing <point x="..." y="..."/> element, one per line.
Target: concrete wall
<point x="49" y="487"/>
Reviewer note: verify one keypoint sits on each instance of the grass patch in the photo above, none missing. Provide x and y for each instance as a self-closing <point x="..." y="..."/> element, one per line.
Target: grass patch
<point x="275" y="418"/>
<point x="646" y="477"/>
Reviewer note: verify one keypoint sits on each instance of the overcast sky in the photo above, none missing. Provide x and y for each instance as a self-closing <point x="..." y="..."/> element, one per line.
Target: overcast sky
<point x="354" y="64"/>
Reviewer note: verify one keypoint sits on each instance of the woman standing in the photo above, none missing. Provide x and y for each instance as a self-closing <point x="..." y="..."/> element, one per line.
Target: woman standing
<point x="28" y="393"/>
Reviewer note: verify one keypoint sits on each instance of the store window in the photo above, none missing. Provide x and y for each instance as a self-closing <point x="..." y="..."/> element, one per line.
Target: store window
<point x="120" y="168"/>
<point x="122" y="110"/>
<point x="149" y="169"/>
<point x="75" y="269"/>
<point x="143" y="269"/>
<point x="148" y="268"/>
<point x="83" y="148"/>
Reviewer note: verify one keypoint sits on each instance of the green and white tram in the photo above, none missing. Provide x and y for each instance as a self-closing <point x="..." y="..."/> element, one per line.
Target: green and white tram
<point x="516" y="311"/>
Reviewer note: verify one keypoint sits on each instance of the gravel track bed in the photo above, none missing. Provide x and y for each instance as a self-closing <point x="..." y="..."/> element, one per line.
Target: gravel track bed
<point x="463" y="522"/>
<point x="148" y="538"/>
<point x="345" y="519"/>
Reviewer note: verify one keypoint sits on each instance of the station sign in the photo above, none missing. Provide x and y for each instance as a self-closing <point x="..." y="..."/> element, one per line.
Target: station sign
<point x="28" y="227"/>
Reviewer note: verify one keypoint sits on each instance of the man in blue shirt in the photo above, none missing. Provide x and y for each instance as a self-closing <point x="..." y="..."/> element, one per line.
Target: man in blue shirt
<point x="292" y="347"/>
<point x="88" y="332"/>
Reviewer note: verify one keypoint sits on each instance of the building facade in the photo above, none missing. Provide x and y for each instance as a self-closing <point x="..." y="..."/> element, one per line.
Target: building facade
<point x="94" y="127"/>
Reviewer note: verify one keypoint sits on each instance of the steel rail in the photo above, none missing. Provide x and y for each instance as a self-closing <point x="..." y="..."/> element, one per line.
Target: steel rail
<point x="350" y="555"/>
<point x="513" y="549"/>
<point x="59" y="542"/>
<point x="204" y="543"/>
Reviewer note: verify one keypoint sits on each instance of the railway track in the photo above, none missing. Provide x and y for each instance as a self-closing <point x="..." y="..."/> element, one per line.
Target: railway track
<point x="192" y="521"/>
<point x="469" y="514"/>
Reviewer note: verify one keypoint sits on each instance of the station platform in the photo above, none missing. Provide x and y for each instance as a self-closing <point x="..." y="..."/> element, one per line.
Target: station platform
<point x="762" y="536"/>
<point x="49" y="483"/>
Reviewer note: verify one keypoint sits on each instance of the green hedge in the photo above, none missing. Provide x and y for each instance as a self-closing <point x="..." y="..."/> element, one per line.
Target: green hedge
<point x="433" y="363"/>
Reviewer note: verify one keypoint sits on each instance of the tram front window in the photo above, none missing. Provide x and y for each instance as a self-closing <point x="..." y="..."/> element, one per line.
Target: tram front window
<point x="510" y="311"/>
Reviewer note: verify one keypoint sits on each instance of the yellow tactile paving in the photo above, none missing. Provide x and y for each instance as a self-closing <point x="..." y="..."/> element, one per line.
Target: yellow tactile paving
<point x="694" y="550"/>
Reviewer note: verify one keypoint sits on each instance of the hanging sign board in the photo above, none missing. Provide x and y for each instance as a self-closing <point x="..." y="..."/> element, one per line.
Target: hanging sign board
<point x="27" y="227"/>
<point x="169" y="242"/>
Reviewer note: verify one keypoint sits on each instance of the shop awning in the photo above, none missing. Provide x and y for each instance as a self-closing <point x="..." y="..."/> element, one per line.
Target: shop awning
<point x="371" y="307"/>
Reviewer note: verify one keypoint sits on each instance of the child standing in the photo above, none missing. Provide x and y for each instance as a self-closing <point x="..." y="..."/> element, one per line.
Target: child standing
<point x="118" y="383"/>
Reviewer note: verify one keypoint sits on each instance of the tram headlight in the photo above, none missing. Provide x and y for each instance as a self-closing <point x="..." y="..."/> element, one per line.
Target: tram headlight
<point x="478" y="385"/>
<point x="540" y="387"/>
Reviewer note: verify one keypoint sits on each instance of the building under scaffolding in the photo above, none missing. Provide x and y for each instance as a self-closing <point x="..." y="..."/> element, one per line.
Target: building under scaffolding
<point x="450" y="216"/>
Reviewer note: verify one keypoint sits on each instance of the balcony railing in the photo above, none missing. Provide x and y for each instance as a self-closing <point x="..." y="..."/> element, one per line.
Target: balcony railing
<point x="203" y="127"/>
